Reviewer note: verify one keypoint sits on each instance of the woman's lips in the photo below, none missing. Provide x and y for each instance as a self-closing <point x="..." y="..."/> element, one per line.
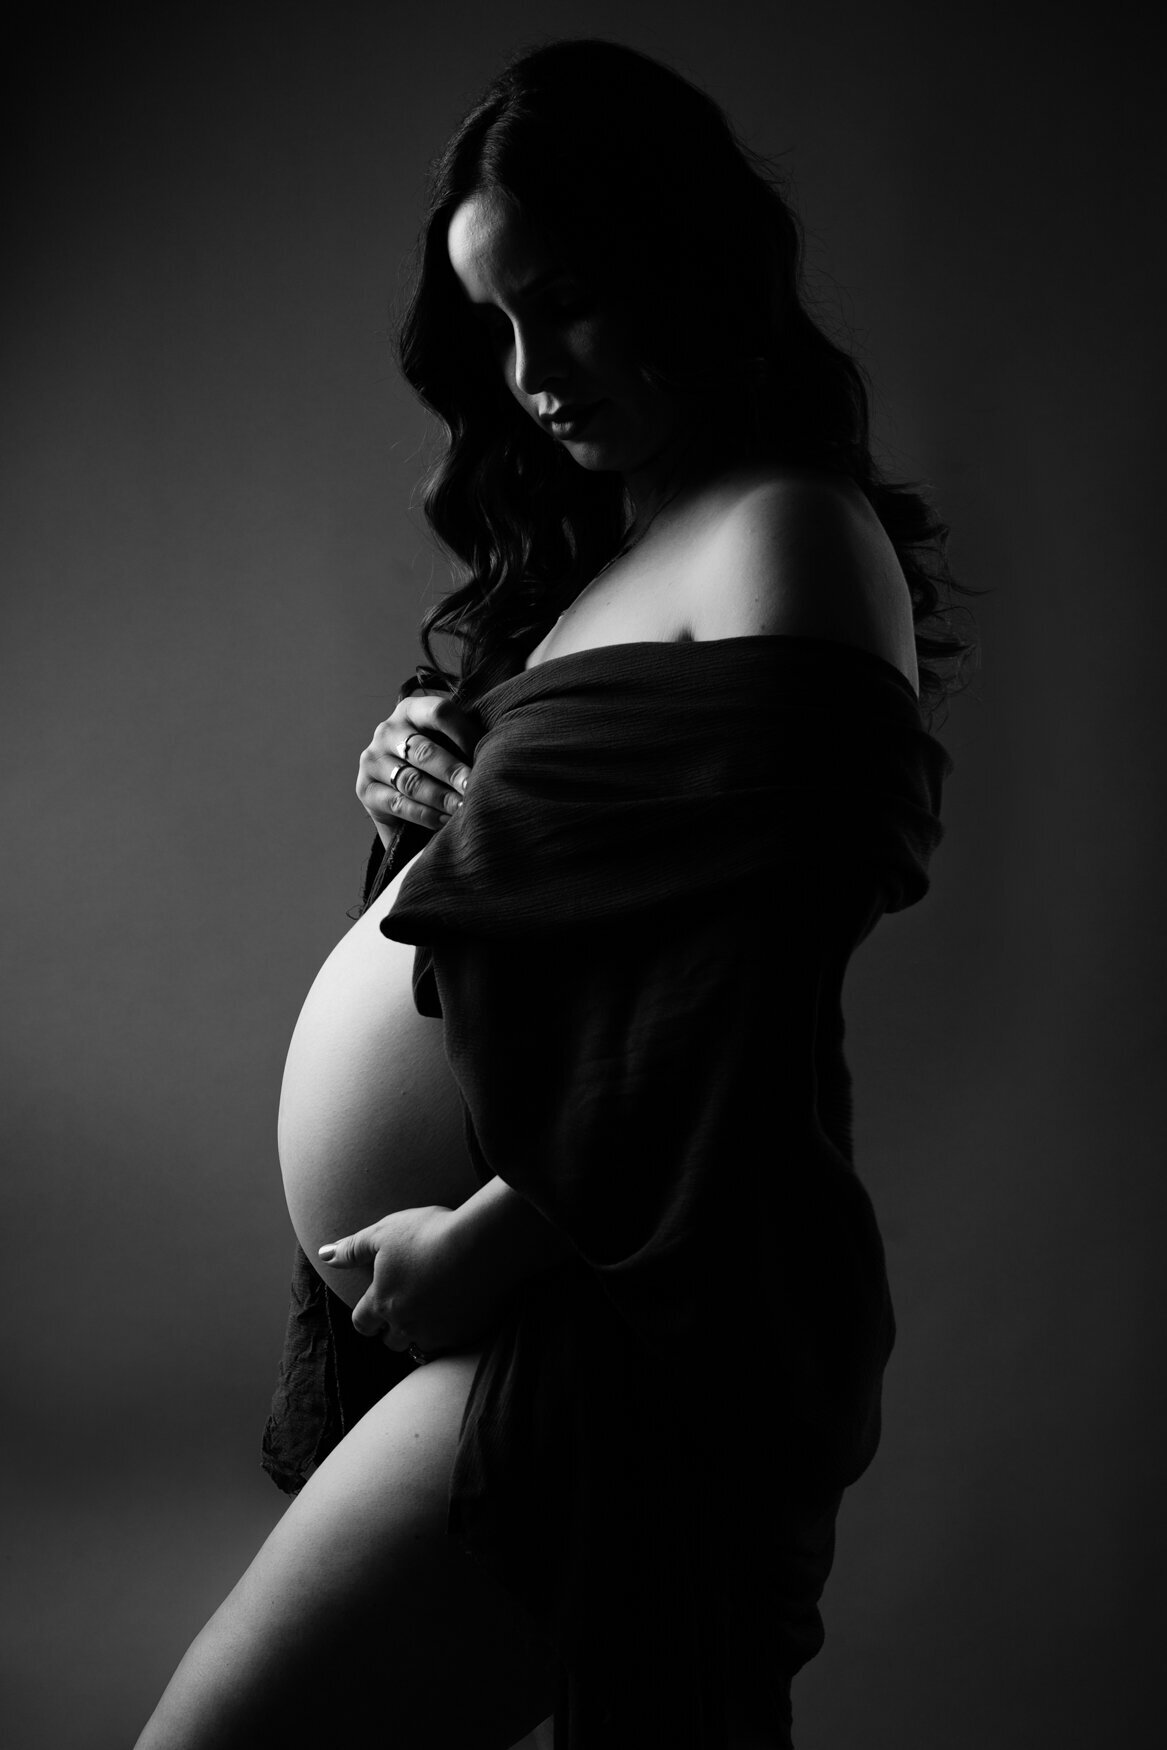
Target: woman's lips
<point x="573" y="420"/>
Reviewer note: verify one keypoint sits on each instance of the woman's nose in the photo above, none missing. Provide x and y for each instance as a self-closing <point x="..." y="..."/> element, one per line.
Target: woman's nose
<point x="538" y="359"/>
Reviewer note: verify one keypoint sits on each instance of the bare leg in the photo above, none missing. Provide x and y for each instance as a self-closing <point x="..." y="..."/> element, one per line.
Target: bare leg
<point x="360" y="1615"/>
<point x="540" y="1739"/>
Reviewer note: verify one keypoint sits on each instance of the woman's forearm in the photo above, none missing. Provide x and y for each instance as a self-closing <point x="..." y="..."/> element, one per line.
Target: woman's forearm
<point x="506" y="1236"/>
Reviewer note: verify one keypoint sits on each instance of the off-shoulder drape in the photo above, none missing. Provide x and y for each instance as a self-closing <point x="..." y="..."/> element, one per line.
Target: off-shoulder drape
<point x="636" y="932"/>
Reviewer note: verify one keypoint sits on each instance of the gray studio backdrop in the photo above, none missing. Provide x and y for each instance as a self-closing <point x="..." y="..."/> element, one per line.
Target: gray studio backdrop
<point x="212" y="579"/>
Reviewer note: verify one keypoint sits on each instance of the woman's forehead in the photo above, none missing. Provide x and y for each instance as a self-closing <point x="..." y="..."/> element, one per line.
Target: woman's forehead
<point x="494" y="250"/>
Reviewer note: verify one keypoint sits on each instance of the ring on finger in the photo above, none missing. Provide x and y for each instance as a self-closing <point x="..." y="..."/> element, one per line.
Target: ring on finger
<point x="404" y="753"/>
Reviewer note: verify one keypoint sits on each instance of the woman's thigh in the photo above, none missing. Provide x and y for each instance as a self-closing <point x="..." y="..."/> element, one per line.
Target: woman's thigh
<point x="360" y="1614"/>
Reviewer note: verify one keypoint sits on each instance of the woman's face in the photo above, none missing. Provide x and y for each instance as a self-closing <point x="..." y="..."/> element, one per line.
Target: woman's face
<point x="557" y="352"/>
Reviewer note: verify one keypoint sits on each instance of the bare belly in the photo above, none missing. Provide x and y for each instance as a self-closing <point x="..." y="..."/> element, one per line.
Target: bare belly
<point x="370" y="1120"/>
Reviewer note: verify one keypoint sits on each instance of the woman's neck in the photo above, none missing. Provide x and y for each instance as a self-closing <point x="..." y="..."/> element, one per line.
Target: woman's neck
<point x="661" y="493"/>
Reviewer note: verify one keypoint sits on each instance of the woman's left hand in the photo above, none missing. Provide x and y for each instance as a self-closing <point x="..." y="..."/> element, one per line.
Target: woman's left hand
<point x="425" y="1290"/>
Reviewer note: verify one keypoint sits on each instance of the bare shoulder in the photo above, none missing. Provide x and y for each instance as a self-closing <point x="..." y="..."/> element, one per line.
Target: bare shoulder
<point x="802" y="553"/>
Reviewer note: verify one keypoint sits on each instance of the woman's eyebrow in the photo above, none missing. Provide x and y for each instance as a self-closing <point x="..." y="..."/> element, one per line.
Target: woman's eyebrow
<point x="532" y="288"/>
<point x="541" y="281"/>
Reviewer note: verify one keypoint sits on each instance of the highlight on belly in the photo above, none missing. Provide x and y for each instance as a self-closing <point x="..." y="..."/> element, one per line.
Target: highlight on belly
<point x="370" y="1117"/>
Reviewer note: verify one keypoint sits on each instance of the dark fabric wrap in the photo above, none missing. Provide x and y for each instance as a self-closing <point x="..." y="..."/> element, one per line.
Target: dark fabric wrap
<point x="636" y="932"/>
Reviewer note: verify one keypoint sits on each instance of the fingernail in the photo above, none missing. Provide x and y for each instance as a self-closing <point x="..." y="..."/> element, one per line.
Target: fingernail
<point x="463" y="780"/>
<point x="327" y="1253"/>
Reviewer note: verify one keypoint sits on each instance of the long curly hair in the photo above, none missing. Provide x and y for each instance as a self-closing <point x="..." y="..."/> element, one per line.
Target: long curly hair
<point x="642" y="190"/>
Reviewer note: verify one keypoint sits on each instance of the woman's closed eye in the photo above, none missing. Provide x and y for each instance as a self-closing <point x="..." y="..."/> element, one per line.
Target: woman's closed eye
<point x="569" y="303"/>
<point x="556" y="308"/>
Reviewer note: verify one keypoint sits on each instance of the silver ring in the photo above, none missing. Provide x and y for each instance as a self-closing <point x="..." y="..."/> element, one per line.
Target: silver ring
<point x="418" y="1355"/>
<point x="398" y="768"/>
<point x="404" y="754"/>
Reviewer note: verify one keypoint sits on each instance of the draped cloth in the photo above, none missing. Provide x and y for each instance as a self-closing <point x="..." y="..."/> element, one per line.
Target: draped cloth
<point x="636" y="933"/>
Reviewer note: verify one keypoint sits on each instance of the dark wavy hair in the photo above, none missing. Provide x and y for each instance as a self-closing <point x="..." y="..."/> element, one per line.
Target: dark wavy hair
<point x="642" y="190"/>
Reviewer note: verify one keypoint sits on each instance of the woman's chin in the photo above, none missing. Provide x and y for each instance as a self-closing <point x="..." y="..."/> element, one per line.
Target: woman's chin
<point x="594" y="455"/>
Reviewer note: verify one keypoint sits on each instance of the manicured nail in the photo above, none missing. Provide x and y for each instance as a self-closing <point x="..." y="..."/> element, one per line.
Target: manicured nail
<point x="327" y="1253"/>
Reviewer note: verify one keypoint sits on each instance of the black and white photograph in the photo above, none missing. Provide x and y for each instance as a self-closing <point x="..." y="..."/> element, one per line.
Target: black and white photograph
<point x="581" y="621"/>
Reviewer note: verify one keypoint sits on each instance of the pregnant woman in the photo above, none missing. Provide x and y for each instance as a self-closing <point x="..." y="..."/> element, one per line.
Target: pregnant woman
<point x="590" y="1314"/>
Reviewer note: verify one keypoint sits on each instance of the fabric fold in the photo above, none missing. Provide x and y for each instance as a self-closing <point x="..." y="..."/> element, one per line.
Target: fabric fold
<point x="620" y="779"/>
<point x="636" y="932"/>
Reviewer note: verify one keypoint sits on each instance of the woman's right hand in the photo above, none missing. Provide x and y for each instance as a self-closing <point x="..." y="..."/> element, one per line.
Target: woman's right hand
<point x="406" y="773"/>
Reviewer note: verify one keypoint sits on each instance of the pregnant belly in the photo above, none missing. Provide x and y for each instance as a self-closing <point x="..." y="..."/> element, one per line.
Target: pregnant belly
<point x="370" y="1119"/>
